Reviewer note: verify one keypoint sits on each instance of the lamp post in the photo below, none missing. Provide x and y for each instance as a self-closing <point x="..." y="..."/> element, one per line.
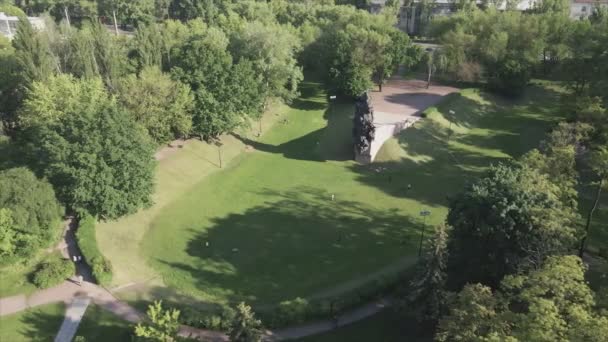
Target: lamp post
<point x="424" y="213"/>
<point x="219" y="150"/>
<point x="452" y="113"/>
<point x="430" y="50"/>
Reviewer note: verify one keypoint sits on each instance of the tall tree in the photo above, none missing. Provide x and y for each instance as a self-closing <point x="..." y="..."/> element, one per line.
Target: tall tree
<point x="226" y="94"/>
<point x="244" y="326"/>
<point x="512" y="219"/>
<point x="553" y="303"/>
<point x="599" y="165"/>
<point x="96" y="156"/>
<point x="272" y="49"/>
<point x="162" y="324"/>
<point x="163" y="106"/>
<point x="36" y="60"/>
<point x="31" y="213"/>
<point x="427" y="293"/>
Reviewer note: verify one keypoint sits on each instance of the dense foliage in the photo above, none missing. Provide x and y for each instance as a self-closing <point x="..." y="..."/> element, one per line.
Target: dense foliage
<point x="29" y="214"/>
<point x="53" y="272"/>
<point x="87" y="243"/>
<point x="98" y="159"/>
<point x="512" y="220"/>
<point x="553" y="303"/>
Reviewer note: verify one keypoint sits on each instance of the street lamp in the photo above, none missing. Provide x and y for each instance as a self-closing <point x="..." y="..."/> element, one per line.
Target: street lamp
<point x="424" y="213"/>
<point x="452" y="113"/>
<point x="219" y="150"/>
<point x="430" y="50"/>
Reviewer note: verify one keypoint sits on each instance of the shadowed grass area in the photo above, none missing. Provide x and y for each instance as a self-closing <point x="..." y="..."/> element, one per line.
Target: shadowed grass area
<point x="39" y="324"/>
<point x="386" y="326"/>
<point x="99" y="325"/>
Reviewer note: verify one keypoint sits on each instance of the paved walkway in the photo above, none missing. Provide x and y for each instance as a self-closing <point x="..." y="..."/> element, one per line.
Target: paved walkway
<point x="399" y="105"/>
<point x="73" y="316"/>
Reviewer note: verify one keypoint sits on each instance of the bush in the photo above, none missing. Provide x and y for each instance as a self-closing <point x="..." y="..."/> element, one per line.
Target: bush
<point x="603" y="252"/>
<point x="87" y="242"/>
<point x="213" y="321"/>
<point x="53" y="272"/>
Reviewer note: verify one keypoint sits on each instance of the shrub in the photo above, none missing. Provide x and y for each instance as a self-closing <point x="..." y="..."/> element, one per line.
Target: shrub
<point x="214" y="321"/>
<point x="604" y="252"/>
<point x="87" y="242"/>
<point x="53" y="272"/>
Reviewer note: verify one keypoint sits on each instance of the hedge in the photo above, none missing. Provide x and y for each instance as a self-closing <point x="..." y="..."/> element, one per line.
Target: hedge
<point x="52" y="272"/>
<point x="298" y="310"/>
<point x="85" y="235"/>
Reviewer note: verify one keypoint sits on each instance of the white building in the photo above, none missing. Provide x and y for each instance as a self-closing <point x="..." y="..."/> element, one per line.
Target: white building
<point x="583" y="8"/>
<point x="8" y="24"/>
<point x="409" y="17"/>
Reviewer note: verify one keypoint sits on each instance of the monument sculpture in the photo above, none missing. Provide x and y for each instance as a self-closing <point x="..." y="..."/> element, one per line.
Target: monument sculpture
<point x="363" y="129"/>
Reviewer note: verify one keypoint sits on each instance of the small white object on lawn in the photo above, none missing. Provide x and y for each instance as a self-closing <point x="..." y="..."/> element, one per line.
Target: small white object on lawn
<point x="333" y="197"/>
<point x="235" y="249"/>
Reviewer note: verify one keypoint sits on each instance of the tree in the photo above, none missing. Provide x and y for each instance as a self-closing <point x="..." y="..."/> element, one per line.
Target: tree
<point x="272" y="49"/>
<point x="427" y="293"/>
<point x="599" y="165"/>
<point x="128" y="12"/>
<point x="10" y="84"/>
<point x="512" y="219"/>
<point x="226" y="95"/>
<point x="96" y="156"/>
<point x="48" y="102"/>
<point x="7" y="233"/>
<point x="36" y="60"/>
<point x="30" y="213"/>
<point x="553" y="303"/>
<point x="162" y="324"/>
<point x="245" y="327"/>
<point x="161" y="105"/>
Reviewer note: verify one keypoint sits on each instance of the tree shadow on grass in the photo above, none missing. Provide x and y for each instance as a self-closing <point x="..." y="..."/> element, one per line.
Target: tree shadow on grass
<point x="300" y="243"/>
<point x="333" y="142"/>
<point x="432" y="162"/>
<point x="41" y="324"/>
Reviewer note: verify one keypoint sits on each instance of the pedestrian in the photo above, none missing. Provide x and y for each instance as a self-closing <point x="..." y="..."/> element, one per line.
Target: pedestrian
<point x="333" y="197"/>
<point x="80" y="279"/>
<point x="409" y="186"/>
<point x="79" y="258"/>
<point x="74" y="258"/>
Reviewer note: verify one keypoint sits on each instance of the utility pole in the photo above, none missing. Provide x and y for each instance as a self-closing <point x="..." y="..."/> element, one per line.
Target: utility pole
<point x="424" y="214"/>
<point x="115" y="23"/>
<point x="67" y="16"/>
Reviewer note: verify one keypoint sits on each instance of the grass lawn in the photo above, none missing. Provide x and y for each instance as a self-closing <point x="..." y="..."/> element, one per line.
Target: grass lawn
<point x="37" y="324"/>
<point x="16" y="278"/>
<point x="272" y="230"/>
<point x="99" y="325"/>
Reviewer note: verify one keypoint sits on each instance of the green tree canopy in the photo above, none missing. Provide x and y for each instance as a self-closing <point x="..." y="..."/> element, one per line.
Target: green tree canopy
<point x="162" y="324"/>
<point x="226" y="94"/>
<point x="96" y="156"/>
<point x="163" y="106"/>
<point x="244" y="326"/>
<point x="553" y="303"/>
<point x="30" y="213"/>
<point x="509" y="220"/>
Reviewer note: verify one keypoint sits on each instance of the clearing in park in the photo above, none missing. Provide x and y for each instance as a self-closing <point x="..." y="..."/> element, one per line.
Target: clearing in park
<point x="264" y="228"/>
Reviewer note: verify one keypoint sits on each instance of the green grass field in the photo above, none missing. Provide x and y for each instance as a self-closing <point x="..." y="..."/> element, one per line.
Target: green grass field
<point x="272" y="230"/>
<point x="40" y="324"/>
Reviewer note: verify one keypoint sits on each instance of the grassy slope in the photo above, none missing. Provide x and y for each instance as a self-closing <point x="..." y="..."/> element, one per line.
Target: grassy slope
<point x="99" y="325"/>
<point x="274" y="206"/>
<point x="119" y="240"/>
<point x="38" y="324"/>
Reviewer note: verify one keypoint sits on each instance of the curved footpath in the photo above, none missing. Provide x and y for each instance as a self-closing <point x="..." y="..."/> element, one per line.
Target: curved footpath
<point x="77" y="297"/>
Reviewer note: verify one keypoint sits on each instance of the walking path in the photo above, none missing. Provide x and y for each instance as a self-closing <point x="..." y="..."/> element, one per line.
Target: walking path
<point x="73" y="316"/>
